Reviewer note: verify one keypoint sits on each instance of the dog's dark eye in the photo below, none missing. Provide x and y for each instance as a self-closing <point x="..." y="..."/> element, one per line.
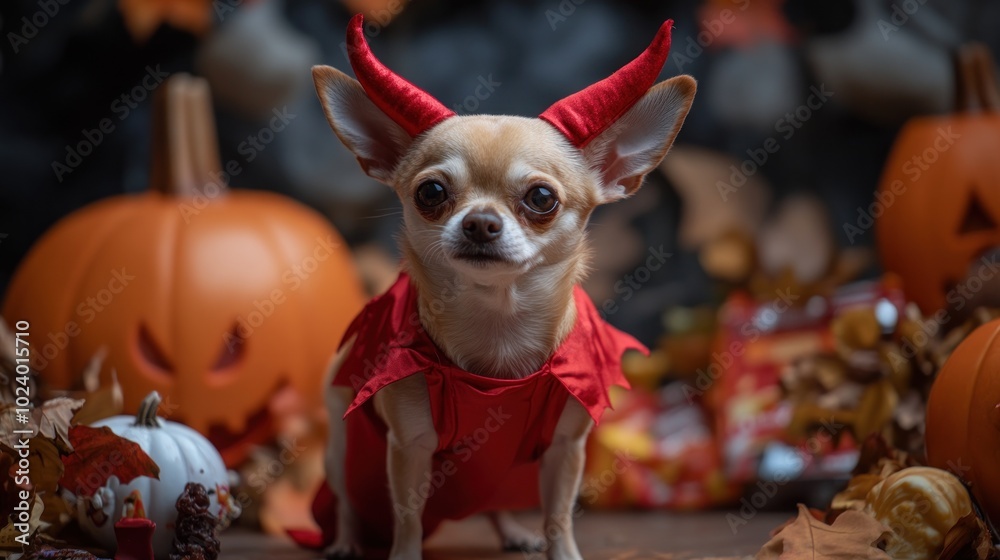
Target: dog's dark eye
<point x="541" y="199"/>
<point x="431" y="194"/>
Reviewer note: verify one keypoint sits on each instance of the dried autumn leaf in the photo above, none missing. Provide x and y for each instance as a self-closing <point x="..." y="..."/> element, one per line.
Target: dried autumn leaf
<point x="98" y="454"/>
<point x="8" y="425"/>
<point x="876" y="409"/>
<point x="875" y="453"/>
<point x="898" y="369"/>
<point x="53" y="418"/>
<point x="914" y="329"/>
<point x="831" y="515"/>
<point x="969" y="539"/>
<point x="46" y="466"/>
<point x="852" y="536"/>
<point x="9" y="533"/>
<point x="7" y="536"/>
<point x="817" y="514"/>
<point x="856" y="329"/>
<point x="56" y="513"/>
<point x="877" y="460"/>
<point x="102" y="403"/>
<point x="853" y="497"/>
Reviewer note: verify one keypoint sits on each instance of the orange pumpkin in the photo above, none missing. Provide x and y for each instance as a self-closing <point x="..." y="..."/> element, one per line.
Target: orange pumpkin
<point x="963" y="416"/>
<point x="938" y="205"/>
<point x="222" y="301"/>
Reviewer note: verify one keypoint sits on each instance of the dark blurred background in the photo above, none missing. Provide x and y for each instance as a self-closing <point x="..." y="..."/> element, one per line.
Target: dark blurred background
<point x="762" y="66"/>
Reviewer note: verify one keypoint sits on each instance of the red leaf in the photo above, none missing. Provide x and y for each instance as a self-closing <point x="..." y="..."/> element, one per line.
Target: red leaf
<point x="98" y="454"/>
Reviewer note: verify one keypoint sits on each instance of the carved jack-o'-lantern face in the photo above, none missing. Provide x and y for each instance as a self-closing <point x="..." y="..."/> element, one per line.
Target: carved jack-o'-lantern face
<point x="221" y="304"/>
<point x="939" y="195"/>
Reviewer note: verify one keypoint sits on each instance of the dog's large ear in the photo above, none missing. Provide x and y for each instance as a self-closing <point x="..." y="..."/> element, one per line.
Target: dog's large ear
<point x="378" y="115"/>
<point x="624" y="124"/>
<point x="374" y="138"/>
<point x="637" y="141"/>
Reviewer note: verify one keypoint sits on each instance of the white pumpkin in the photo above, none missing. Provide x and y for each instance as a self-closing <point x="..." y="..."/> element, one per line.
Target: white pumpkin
<point x="919" y="505"/>
<point x="183" y="456"/>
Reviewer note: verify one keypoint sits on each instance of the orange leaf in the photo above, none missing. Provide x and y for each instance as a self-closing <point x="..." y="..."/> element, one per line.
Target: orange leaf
<point x="852" y="536"/>
<point x="100" y="453"/>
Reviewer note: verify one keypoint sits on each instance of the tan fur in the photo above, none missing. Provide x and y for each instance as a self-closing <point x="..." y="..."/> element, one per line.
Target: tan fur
<point x="500" y="319"/>
<point x="530" y="308"/>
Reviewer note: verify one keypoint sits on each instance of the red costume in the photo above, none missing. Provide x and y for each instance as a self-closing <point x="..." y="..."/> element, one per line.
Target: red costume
<point x="491" y="432"/>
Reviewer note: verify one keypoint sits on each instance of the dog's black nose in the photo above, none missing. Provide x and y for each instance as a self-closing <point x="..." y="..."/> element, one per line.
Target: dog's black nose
<point x="482" y="226"/>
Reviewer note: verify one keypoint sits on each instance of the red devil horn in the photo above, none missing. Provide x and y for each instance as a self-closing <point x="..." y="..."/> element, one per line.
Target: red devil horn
<point x="585" y="114"/>
<point x="409" y="106"/>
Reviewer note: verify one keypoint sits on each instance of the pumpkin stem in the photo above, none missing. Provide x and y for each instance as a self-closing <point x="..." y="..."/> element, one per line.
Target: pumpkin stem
<point x="147" y="411"/>
<point x="975" y="80"/>
<point x="185" y="151"/>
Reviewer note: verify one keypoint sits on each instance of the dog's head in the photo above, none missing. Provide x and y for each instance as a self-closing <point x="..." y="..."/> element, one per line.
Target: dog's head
<point x="495" y="196"/>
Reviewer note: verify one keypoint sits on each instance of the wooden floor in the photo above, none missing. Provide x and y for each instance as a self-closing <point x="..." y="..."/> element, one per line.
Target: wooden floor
<point x="601" y="536"/>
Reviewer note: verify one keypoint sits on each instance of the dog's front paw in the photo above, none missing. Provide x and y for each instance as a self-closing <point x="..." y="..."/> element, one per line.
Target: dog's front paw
<point x="521" y="539"/>
<point x="563" y="550"/>
<point x="529" y="543"/>
<point x="342" y="550"/>
<point x="563" y="555"/>
<point x="406" y="555"/>
<point x="515" y="537"/>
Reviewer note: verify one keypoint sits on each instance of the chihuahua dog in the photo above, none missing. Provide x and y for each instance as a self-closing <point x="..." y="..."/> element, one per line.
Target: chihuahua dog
<point x="495" y="212"/>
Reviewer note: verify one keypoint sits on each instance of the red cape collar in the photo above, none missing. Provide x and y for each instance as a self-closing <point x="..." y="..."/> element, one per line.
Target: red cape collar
<point x="391" y="344"/>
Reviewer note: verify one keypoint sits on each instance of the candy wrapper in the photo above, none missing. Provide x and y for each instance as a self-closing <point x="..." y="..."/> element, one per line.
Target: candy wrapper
<point x="763" y="431"/>
<point x="655" y="450"/>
